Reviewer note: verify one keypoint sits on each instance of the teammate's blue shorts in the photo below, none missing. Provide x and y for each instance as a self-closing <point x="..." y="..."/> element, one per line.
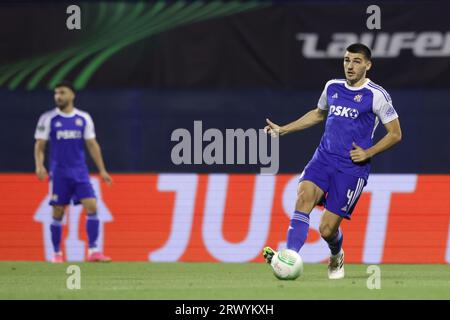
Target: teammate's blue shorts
<point x="70" y="184"/>
<point x="342" y="191"/>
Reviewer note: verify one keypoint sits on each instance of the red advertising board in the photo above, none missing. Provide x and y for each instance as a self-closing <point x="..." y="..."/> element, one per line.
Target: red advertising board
<point x="227" y="218"/>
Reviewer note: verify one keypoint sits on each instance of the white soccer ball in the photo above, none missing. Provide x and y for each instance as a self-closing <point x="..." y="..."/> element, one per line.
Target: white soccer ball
<point x="287" y="265"/>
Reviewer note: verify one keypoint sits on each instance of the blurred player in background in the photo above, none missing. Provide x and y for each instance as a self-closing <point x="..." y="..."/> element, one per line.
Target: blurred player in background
<point x="67" y="128"/>
<point x="339" y="169"/>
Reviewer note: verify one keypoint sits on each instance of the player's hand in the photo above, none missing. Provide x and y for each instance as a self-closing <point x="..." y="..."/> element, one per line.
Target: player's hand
<point x="358" y="154"/>
<point x="41" y="173"/>
<point x="273" y="129"/>
<point x="106" y="177"/>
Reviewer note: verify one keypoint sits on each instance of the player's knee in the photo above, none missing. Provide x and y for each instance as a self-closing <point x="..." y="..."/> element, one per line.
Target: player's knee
<point x="326" y="232"/>
<point x="92" y="209"/>
<point x="58" y="212"/>
<point x="90" y="206"/>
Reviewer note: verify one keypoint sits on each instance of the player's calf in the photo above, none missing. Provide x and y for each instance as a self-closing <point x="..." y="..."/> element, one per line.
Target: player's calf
<point x="330" y="231"/>
<point x="326" y="232"/>
<point x="56" y="233"/>
<point x="92" y="230"/>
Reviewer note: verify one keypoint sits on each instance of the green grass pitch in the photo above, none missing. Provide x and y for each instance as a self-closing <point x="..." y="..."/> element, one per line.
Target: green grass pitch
<point x="140" y="280"/>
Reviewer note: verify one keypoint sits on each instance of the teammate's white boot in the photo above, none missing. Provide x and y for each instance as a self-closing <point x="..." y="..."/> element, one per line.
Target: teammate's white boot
<point x="336" y="266"/>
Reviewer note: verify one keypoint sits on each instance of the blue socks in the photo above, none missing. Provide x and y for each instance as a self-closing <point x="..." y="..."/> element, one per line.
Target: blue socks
<point x="56" y="232"/>
<point x="92" y="229"/>
<point x="298" y="231"/>
<point x="335" y="244"/>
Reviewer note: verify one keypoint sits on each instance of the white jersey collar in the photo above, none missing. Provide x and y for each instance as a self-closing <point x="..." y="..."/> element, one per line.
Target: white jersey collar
<point x="357" y="88"/>
<point x="66" y="115"/>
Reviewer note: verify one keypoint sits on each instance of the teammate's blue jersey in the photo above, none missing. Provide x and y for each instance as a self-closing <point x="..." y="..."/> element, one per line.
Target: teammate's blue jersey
<point x="353" y="115"/>
<point x="66" y="133"/>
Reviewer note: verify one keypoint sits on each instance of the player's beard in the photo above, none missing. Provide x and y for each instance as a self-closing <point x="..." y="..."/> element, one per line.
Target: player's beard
<point x="62" y="105"/>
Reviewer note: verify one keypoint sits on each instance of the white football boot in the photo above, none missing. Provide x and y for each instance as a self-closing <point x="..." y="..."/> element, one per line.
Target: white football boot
<point x="336" y="266"/>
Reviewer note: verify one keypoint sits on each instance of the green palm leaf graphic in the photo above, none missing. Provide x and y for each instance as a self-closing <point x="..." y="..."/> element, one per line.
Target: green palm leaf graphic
<point x="115" y="26"/>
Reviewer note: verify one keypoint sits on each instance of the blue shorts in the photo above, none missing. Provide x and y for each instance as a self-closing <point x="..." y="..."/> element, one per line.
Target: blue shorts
<point x="342" y="191"/>
<point x="67" y="185"/>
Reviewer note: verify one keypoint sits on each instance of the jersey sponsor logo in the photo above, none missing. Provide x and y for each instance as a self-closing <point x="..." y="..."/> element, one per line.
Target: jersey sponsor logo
<point x="383" y="44"/>
<point x="358" y="98"/>
<point x="344" y="112"/>
<point x="68" y="134"/>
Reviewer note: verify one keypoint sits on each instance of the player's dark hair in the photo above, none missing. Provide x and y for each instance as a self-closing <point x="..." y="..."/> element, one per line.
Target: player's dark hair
<point x="66" y="84"/>
<point x="360" y="48"/>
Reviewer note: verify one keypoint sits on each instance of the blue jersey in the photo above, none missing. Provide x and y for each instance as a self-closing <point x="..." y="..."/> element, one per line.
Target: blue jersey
<point x="66" y="133"/>
<point x="353" y="116"/>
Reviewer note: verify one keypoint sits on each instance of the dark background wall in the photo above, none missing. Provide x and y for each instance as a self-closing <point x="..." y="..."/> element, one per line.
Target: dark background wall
<point x="134" y="126"/>
<point x="229" y="64"/>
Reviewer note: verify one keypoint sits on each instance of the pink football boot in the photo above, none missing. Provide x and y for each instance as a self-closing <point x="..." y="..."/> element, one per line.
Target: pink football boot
<point x="57" y="257"/>
<point x="97" y="256"/>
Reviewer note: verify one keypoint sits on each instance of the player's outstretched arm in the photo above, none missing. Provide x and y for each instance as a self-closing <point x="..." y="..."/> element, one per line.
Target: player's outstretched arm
<point x="392" y="137"/>
<point x="96" y="154"/>
<point x="39" y="156"/>
<point x="310" y="119"/>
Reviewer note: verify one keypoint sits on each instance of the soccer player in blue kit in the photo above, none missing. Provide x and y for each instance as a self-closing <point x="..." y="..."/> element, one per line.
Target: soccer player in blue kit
<point x="67" y="128"/>
<point x="338" y="171"/>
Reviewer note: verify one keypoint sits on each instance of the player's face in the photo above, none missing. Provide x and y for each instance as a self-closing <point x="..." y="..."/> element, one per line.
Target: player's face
<point x="355" y="66"/>
<point x="63" y="97"/>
